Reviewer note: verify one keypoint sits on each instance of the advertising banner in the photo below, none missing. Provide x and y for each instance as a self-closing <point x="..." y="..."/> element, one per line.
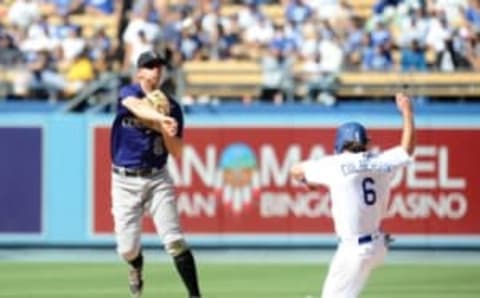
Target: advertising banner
<point x="234" y="180"/>
<point x="21" y="180"/>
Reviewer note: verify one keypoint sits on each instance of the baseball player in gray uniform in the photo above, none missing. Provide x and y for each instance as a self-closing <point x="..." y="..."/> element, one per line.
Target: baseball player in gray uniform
<point x="359" y="183"/>
<point x="141" y="140"/>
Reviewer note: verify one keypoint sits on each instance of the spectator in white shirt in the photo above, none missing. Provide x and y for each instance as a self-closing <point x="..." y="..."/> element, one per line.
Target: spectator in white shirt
<point x="134" y="40"/>
<point x="73" y="45"/>
<point x="325" y="9"/>
<point x="453" y="8"/>
<point x="277" y="78"/>
<point x="414" y="27"/>
<point x="321" y="84"/>
<point x="211" y="18"/>
<point x="141" y="45"/>
<point x="309" y="45"/>
<point x="22" y="13"/>
<point x="439" y="37"/>
<point x="249" y="14"/>
<point x="39" y="38"/>
<point x="331" y="53"/>
<point x="261" y="33"/>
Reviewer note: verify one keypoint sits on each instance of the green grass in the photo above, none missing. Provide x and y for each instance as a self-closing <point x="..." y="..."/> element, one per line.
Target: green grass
<point x="108" y="280"/>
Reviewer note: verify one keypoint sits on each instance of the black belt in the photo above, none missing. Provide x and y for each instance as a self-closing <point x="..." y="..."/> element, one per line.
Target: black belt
<point x="128" y="172"/>
<point x="365" y="239"/>
<point x="370" y="237"/>
<point x="362" y="239"/>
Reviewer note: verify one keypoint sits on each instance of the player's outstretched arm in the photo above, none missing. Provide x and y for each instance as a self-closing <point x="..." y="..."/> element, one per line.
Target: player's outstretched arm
<point x="297" y="172"/>
<point x="404" y="105"/>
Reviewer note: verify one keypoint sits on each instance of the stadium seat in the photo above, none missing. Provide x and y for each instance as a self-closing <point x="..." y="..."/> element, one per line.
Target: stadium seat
<point x="229" y="66"/>
<point x="222" y="78"/>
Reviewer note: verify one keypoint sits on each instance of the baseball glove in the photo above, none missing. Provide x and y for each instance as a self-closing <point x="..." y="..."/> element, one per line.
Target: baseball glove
<point x="159" y="101"/>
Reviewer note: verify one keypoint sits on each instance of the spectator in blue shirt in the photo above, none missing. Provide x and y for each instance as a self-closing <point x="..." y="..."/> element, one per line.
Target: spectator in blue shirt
<point x="367" y="52"/>
<point x="413" y="57"/>
<point x="382" y="58"/>
<point x="380" y="5"/>
<point x="63" y="29"/>
<point x="472" y="14"/>
<point x="225" y="42"/>
<point x="298" y="12"/>
<point x="190" y="44"/>
<point x="105" y="7"/>
<point x="282" y="43"/>
<point x="354" y="36"/>
<point x="381" y="34"/>
<point x="375" y="57"/>
<point x="173" y="22"/>
<point x="100" y="44"/>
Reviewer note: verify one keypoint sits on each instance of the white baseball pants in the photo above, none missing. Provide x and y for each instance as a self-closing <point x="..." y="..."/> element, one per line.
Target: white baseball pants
<point x="352" y="265"/>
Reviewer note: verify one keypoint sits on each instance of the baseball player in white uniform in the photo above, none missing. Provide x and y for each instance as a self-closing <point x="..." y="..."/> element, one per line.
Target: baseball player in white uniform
<point x="359" y="182"/>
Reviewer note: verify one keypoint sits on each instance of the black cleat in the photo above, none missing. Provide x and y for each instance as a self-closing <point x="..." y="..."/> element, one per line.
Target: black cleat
<point x="135" y="283"/>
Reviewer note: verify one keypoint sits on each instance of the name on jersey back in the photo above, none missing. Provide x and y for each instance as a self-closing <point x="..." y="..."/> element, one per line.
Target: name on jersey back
<point x="364" y="166"/>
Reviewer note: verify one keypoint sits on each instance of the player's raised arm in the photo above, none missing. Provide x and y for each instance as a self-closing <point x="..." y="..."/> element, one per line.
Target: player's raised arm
<point x="404" y="105"/>
<point x="297" y="173"/>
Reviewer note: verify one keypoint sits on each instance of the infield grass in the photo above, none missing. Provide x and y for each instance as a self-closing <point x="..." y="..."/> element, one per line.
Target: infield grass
<point x="219" y="280"/>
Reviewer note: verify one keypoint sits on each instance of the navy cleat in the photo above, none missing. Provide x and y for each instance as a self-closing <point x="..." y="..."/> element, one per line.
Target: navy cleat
<point x="135" y="283"/>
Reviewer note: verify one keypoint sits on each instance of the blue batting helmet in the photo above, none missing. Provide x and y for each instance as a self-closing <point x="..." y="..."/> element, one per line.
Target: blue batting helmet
<point x="350" y="132"/>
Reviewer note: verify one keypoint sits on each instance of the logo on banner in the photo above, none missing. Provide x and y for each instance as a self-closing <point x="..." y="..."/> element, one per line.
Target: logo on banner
<point x="245" y="179"/>
<point x="237" y="183"/>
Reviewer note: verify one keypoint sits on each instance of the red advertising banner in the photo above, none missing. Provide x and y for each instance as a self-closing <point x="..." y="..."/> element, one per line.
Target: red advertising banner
<point x="235" y="180"/>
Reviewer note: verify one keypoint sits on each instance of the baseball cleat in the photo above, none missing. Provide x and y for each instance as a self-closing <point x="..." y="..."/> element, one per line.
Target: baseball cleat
<point x="135" y="283"/>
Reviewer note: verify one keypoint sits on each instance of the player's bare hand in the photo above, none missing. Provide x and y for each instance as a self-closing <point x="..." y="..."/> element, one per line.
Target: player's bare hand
<point x="169" y="126"/>
<point x="404" y="104"/>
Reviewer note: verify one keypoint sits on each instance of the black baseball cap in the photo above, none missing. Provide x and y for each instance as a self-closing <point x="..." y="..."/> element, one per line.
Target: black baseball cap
<point x="150" y="58"/>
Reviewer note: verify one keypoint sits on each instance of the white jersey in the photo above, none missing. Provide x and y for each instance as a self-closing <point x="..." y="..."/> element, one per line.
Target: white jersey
<point x="359" y="186"/>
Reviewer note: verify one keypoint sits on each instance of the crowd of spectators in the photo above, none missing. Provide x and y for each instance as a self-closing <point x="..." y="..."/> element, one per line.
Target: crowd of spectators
<point x="309" y="44"/>
<point x="47" y="54"/>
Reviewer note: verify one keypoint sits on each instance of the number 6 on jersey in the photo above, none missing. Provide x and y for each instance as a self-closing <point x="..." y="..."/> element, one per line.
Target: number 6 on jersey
<point x="369" y="195"/>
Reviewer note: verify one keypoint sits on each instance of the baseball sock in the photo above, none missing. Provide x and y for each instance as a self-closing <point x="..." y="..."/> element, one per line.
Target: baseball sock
<point x="137" y="263"/>
<point x="185" y="264"/>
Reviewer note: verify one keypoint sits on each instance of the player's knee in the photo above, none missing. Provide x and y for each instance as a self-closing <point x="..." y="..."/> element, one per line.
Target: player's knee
<point x="177" y="247"/>
<point x="128" y="254"/>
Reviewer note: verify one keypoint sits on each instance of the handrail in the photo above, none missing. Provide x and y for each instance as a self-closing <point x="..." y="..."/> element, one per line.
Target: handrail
<point x="109" y="81"/>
